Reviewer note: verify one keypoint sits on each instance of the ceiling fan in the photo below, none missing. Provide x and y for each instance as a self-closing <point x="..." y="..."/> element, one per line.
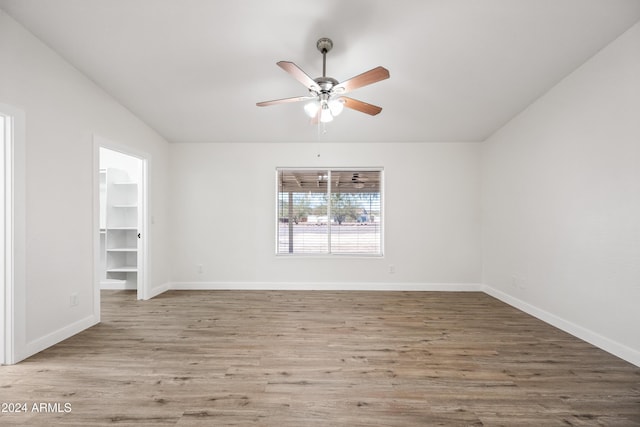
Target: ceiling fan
<point x="326" y="95"/>
<point x="358" y="181"/>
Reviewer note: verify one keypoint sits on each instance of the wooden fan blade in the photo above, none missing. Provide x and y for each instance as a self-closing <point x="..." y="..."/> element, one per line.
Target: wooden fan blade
<point x="361" y="106"/>
<point x="299" y="75"/>
<point x="364" y="79"/>
<point x="284" y="100"/>
<point x="316" y="119"/>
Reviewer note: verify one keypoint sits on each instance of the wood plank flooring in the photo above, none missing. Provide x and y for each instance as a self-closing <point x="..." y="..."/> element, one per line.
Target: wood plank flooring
<point x="216" y="358"/>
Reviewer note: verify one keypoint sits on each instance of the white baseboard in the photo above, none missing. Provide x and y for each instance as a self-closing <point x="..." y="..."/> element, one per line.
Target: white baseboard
<point x="328" y="286"/>
<point x="115" y="285"/>
<point x="154" y="292"/>
<point x="610" y="346"/>
<point x="55" y="337"/>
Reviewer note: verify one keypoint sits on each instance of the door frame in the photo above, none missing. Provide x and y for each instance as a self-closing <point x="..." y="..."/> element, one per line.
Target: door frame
<point x="12" y="203"/>
<point x="143" y="292"/>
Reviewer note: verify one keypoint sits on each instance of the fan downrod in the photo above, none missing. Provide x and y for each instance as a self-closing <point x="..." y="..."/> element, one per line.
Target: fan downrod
<point x="324" y="45"/>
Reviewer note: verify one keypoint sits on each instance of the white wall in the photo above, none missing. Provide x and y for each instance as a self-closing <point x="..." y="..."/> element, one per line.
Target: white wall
<point x="223" y="215"/>
<point x="63" y="109"/>
<point x="561" y="203"/>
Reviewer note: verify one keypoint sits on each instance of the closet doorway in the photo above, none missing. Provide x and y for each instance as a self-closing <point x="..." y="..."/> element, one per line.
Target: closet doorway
<point x="121" y="260"/>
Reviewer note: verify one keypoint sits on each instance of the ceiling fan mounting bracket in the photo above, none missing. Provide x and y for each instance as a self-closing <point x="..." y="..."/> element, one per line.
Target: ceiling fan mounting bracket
<point x="324" y="45"/>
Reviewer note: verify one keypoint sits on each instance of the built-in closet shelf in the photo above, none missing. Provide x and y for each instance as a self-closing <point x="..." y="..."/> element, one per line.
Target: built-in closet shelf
<point x="125" y="206"/>
<point x="122" y="228"/>
<point x="113" y="282"/>
<point x="125" y="183"/>
<point x="123" y="269"/>
<point x="122" y="249"/>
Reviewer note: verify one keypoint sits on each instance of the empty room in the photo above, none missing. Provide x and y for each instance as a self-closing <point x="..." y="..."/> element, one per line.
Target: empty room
<point x="333" y="213"/>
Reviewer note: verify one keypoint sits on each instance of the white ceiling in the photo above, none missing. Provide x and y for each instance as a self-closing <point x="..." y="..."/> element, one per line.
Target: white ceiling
<point x="194" y="69"/>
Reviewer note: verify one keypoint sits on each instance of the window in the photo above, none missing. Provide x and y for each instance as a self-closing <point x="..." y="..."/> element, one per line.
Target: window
<point x="329" y="211"/>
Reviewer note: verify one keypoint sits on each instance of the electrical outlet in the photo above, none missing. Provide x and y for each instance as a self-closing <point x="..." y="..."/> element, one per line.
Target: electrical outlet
<point x="392" y="269"/>
<point x="199" y="268"/>
<point x="74" y="300"/>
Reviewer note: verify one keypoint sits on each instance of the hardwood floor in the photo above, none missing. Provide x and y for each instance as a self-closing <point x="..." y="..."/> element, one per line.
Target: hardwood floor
<point x="214" y="358"/>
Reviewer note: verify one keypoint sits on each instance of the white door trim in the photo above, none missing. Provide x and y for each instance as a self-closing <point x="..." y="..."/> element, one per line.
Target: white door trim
<point x="13" y="329"/>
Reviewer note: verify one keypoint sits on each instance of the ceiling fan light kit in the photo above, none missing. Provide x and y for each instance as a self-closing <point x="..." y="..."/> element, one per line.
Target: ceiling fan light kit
<point x="325" y="100"/>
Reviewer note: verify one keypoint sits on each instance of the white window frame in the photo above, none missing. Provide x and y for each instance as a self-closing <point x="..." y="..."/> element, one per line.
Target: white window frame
<point x="329" y="254"/>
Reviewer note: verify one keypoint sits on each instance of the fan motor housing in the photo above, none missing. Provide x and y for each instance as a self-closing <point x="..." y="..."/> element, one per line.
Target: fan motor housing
<point x="326" y="83"/>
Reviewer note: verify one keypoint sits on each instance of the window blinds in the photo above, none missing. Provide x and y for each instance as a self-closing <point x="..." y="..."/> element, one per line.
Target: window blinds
<point x="329" y="211"/>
